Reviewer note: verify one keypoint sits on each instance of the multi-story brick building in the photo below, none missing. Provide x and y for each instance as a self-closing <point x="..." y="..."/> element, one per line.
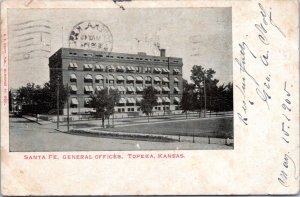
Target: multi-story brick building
<point x="86" y="71"/>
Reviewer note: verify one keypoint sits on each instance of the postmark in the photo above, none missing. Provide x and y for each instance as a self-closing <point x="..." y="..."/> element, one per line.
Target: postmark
<point x="91" y="35"/>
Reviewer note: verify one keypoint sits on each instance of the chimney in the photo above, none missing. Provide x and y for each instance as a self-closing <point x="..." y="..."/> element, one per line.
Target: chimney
<point x="162" y="52"/>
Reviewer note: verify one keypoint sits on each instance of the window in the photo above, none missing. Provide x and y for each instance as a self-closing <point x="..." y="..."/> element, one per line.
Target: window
<point x="138" y="69"/>
<point x="120" y="80"/>
<point x="110" y="79"/>
<point x="165" y="71"/>
<point x="73" y="77"/>
<point x="176" y="101"/>
<point x="165" y="81"/>
<point x="139" y="90"/>
<point x="176" y="82"/>
<point x="99" y="79"/>
<point x="88" y="54"/>
<point x="99" y="88"/>
<point x="139" y="80"/>
<point x="122" y="101"/>
<point x="165" y="90"/>
<point x="157" y="80"/>
<point x="147" y="70"/>
<point x="129" y="80"/>
<point x="176" y="71"/>
<point x="110" y="68"/>
<point x="73" y="66"/>
<point x="99" y="67"/>
<point x="87" y="66"/>
<point x="176" y="90"/>
<point x="71" y="53"/>
<point x="88" y="89"/>
<point x="148" y="80"/>
<point x="166" y="100"/>
<point x="120" y="69"/>
<point x="130" y="90"/>
<point x="157" y="70"/>
<point x="87" y="102"/>
<point x="131" y="69"/>
<point x="73" y="89"/>
<point x="159" y="101"/>
<point x="121" y="89"/>
<point x="74" y="103"/>
<point x="139" y="100"/>
<point x="88" y="78"/>
<point x="157" y="89"/>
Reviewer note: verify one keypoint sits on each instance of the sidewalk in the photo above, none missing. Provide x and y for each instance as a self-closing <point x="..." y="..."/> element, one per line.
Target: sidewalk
<point x="38" y="121"/>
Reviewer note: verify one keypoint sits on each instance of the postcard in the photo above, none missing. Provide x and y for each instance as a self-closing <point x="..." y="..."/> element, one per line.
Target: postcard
<point x="130" y="97"/>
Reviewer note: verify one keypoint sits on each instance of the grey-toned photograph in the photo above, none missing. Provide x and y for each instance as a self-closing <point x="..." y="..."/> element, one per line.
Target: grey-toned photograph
<point x="120" y="79"/>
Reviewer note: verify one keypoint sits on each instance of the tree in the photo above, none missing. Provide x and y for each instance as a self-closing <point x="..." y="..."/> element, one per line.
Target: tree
<point x="49" y="93"/>
<point x="36" y="99"/>
<point x="187" y="101"/>
<point x="149" y="101"/>
<point x="103" y="102"/>
<point x="205" y="85"/>
<point x="25" y="94"/>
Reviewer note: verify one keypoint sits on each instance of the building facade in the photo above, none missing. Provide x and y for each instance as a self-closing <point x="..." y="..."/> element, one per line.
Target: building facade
<point x="86" y="71"/>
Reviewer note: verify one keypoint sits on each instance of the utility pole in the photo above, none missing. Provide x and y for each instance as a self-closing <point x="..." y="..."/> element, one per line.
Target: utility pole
<point x="204" y="94"/>
<point x="68" y="108"/>
<point x="57" y="101"/>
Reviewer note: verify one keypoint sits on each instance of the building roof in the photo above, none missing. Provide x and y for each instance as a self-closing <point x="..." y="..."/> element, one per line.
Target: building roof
<point x="93" y="54"/>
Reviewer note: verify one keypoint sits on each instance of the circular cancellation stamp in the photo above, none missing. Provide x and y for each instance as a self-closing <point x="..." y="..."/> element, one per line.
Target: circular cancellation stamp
<point x="92" y="35"/>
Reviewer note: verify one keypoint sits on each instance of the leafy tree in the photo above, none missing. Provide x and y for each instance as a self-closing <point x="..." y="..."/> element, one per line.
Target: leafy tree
<point x="49" y="93"/>
<point x="25" y="94"/>
<point x="37" y="99"/>
<point x="103" y="102"/>
<point x="187" y="101"/>
<point x="149" y="101"/>
<point x="205" y="86"/>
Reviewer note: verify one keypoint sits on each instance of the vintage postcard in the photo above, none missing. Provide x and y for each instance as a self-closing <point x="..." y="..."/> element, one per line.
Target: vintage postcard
<point x="149" y="97"/>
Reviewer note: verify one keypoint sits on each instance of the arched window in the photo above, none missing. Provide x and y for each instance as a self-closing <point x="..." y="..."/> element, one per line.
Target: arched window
<point x="148" y="80"/>
<point x="120" y="79"/>
<point x="99" y="79"/>
<point x="73" y="77"/>
<point x="129" y="80"/>
<point x="88" y="78"/>
<point x="139" y="80"/>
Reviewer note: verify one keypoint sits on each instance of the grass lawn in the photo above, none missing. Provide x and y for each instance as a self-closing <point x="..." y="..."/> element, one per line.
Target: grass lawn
<point x="216" y="127"/>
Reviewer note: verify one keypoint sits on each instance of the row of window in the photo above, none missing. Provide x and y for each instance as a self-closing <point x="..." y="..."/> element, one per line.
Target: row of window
<point x="127" y="101"/>
<point x="121" y="79"/>
<point x="122" y="57"/>
<point x="122" y="69"/>
<point x="131" y="109"/>
<point x="123" y="90"/>
<point x="138" y="109"/>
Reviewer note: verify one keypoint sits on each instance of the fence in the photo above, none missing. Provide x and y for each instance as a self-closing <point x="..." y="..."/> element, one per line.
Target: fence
<point x="120" y="116"/>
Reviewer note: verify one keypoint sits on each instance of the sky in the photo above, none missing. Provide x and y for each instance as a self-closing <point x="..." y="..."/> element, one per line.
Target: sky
<point x="200" y="36"/>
